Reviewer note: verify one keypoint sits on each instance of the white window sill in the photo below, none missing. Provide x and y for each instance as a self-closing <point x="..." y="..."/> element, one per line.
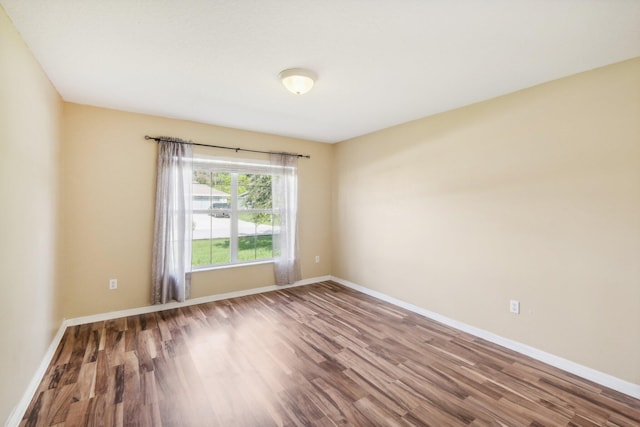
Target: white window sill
<point x="225" y="266"/>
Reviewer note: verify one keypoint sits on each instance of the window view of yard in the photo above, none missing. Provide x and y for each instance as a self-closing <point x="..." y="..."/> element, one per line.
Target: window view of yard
<point x="217" y="251"/>
<point x="233" y="220"/>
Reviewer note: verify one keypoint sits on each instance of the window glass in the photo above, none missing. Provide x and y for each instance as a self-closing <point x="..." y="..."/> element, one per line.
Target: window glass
<point x="233" y="219"/>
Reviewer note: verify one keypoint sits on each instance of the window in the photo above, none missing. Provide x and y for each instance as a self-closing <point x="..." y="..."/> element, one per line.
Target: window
<point x="233" y="219"/>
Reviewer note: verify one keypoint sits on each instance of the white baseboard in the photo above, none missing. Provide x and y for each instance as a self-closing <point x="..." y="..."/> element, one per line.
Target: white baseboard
<point x="598" y="377"/>
<point x="18" y="412"/>
<point x="201" y="300"/>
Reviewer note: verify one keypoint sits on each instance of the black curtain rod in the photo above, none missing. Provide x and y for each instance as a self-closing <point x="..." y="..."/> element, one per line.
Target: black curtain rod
<point x="158" y="139"/>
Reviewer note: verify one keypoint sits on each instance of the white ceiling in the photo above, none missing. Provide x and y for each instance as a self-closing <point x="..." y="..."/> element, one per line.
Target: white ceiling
<point x="379" y="62"/>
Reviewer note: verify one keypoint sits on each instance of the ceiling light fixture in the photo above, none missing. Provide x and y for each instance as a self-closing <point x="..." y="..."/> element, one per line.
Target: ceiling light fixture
<point x="298" y="80"/>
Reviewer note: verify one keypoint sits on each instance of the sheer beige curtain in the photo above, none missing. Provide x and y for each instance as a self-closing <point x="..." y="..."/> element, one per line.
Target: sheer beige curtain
<point x="171" y="269"/>
<point x="285" y="204"/>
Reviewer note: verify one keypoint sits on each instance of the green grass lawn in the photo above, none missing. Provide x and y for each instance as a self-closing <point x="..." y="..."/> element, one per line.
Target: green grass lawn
<point x="217" y="251"/>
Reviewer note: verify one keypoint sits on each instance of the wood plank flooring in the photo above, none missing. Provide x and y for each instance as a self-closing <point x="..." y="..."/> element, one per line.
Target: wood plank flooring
<point x="318" y="355"/>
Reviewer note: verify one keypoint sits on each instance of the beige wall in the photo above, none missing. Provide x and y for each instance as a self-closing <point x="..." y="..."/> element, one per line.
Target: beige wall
<point x="29" y="140"/>
<point x="533" y="196"/>
<point x="107" y="207"/>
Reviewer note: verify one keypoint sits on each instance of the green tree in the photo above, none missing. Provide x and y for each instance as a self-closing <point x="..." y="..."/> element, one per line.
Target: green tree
<point x="257" y="195"/>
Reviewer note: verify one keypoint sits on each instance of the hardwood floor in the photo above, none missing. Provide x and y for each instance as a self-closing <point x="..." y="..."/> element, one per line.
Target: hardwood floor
<point x="320" y="355"/>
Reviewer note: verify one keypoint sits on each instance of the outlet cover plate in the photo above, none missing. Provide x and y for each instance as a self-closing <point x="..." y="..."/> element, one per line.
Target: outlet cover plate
<point x="514" y="306"/>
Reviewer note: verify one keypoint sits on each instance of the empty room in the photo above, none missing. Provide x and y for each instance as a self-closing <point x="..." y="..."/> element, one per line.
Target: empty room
<point x="320" y="213"/>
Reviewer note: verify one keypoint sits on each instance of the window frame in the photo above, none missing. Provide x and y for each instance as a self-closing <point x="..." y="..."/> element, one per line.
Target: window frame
<point x="235" y="167"/>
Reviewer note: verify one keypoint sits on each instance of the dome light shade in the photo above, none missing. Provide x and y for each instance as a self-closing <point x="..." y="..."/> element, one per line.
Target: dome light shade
<point x="298" y="80"/>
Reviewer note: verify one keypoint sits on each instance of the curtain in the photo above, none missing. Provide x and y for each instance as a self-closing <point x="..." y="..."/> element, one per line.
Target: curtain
<point x="171" y="268"/>
<point x="285" y="204"/>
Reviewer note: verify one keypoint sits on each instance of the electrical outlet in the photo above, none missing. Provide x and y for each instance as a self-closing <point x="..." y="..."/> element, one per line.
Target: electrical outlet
<point x="113" y="284"/>
<point x="514" y="306"/>
<point x="317" y="259"/>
